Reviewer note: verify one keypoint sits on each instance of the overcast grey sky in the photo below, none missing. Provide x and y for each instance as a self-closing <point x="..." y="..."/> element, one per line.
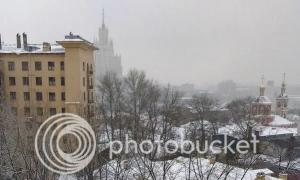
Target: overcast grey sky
<point x="176" y="41"/>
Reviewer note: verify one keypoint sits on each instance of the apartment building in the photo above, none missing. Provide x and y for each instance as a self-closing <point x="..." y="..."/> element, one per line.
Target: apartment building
<point x="40" y="80"/>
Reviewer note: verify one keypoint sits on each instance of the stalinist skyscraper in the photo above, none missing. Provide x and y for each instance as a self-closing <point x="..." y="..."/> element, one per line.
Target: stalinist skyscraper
<point x="105" y="58"/>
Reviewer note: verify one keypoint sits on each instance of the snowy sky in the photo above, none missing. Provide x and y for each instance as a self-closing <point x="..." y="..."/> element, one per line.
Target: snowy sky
<point x="176" y="41"/>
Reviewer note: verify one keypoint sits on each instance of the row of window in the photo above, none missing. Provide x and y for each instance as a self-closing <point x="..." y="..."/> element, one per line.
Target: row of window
<point x="38" y="96"/>
<point x="89" y="67"/>
<point x="37" y="65"/>
<point x="38" y="81"/>
<point x="39" y="111"/>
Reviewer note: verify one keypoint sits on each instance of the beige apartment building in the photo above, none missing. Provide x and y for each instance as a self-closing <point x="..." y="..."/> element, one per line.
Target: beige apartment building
<point x="40" y="80"/>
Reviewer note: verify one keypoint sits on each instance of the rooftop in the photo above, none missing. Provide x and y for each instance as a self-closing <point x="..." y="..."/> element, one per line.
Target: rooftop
<point x="262" y="100"/>
<point x="33" y="48"/>
<point x="55" y="48"/>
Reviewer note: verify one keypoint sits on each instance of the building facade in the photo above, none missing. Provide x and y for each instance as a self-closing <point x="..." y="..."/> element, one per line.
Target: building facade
<point x="106" y="59"/>
<point x="261" y="106"/>
<point x="41" y="80"/>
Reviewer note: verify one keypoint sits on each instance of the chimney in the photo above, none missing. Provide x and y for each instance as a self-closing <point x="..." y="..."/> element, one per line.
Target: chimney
<point x="260" y="176"/>
<point x="0" y="42"/>
<point x="283" y="176"/>
<point x="46" y="46"/>
<point x="25" y="41"/>
<point x="18" y="41"/>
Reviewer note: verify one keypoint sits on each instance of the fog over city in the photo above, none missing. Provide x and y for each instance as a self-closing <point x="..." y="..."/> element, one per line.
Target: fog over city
<point x="176" y="41"/>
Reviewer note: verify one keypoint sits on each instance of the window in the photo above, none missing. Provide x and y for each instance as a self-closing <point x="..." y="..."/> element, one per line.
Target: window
<point x="38" y="81"/>
<point x="91" y="68"/>
<point x="26" y="96"/>
<point x="83" y="66"/>
<point x="83" y="81"/>
<point x="28" y="125"/>
<point x="51" y="81"/>
<point x="51" y="96"/>
<point x="11" y="66"/>
<point x="26" y="111"/>
<point x="29" y="139"/>
<point x="63" y="110"/>
<point x="51" y="66"/>
<point x="14" y="111"/>
<point x="52" y="111"/>
<point x="38" y="66"/>
<point x="39" y="96"/>
<point x="13" y="96"/>
<point x="62" y="66"/>
<point x="12" y="81"/>
<point x="84" y="96"/>
<point x="39" y="111"/>
<point x="24" y="66"/>
<point x="25" y="81"/>
<point x="62" y="81"/>
<point x="90" y="82"/>
<point x="63" y="96"/>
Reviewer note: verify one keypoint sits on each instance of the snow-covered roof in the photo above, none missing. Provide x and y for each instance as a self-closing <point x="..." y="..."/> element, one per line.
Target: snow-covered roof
<point x="38" y="48"/>
<point x="280" y="121"/>
<point x="263" y="100"/>
<point x="270" y="131"/>
<point x="230" y="130"/>
<point x="34" y="48"/>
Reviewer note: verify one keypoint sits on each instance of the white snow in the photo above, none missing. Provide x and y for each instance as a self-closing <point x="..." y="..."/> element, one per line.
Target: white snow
<point x="263" y="100"/>
<point x="12" y="48"/>
<point x="178" y="170"/>
<point x="268" y="131"/>
<point x="280" y="121"/>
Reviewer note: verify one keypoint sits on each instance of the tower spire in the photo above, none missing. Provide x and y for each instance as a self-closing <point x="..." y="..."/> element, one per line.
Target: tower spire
<point x="283" y="85"/>
<point x="103" y="18"/>
<point x="262" y="86"/>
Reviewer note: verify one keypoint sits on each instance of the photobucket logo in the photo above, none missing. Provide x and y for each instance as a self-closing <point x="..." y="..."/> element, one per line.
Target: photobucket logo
<point x="182" y="146"/>
<point x="50" y="145"/>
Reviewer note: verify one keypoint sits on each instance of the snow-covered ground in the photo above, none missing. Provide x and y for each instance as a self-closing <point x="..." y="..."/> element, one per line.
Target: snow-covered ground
<point x="178" y="169"/>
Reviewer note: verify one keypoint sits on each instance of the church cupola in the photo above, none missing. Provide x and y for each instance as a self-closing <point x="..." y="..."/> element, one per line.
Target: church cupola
<point x="261" y="106"/>
<point x="262" y="87"/>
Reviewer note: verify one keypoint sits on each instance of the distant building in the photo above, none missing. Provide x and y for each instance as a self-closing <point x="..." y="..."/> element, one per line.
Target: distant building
<point x="261" y="109"/>
<point x="105" y="58"/>
<point x="282" y="101"/>
<point x="262" y="105"/>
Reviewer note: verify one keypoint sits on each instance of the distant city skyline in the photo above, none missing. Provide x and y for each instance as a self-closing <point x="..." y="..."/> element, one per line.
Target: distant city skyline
<point x="194" y="41"/>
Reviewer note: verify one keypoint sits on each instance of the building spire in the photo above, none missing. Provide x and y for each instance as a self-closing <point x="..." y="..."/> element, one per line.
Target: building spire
<point x="283" y="85"/>
<point x="103" y="18"/>
<point x="262" y="87"/>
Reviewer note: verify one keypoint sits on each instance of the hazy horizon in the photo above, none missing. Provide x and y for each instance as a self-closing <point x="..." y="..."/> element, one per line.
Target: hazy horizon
<point x="193" y="41"/>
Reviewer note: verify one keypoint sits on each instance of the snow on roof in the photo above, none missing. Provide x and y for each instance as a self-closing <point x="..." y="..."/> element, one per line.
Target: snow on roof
<point x="230" y="129"/>
<point x="280" y="121"/>
<point x="263" y="100"/>
<point x="270" y="131"/>
<point x="34" y="48"/>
